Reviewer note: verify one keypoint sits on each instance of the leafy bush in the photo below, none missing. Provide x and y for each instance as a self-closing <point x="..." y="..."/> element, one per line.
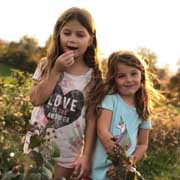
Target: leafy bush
<point x="161" y="164"/>
<point x="163" y="158"/>
<point x="14" y="116"/>
<point x="166" y="128"/>
<point x="14" y="122"/>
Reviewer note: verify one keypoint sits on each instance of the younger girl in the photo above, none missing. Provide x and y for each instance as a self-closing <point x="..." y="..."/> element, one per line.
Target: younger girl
<point x="124" y="111"/>
<point x="60" y="86"/>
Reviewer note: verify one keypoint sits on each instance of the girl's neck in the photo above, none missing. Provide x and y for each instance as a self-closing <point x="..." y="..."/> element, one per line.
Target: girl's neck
<point x="129" y="100"/>
<point x="78" y="68"/>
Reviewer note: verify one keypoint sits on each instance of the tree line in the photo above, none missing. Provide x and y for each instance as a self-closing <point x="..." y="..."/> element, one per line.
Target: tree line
<point x="22" y="55"/>
<point x="25" y="54"/>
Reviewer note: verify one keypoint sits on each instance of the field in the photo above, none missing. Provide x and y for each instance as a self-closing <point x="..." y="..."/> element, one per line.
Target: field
<point x="5" y="70"/>
<point x="163" y="157"/>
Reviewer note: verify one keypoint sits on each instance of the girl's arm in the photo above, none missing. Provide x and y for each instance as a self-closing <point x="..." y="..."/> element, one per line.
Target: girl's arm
<point x="103" y="125"/>
<point x="83" y="164"/>
<point x="41" y="90"/>
<point x="142" y="145"/>
<point x="90" y="135"/>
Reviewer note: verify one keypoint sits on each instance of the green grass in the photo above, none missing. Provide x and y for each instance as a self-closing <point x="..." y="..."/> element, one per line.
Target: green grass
<point x="161" y="164"/>
<point x="5" y="70"/>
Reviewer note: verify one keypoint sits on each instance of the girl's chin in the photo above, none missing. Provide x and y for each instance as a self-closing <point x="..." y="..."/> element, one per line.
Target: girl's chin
<point x="128" y="94"/>
<point x="76" y="56"/>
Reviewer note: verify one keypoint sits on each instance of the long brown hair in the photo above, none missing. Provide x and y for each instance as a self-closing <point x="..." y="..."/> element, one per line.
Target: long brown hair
<point x="91" y="54"/>
<point x="145" y="97"/>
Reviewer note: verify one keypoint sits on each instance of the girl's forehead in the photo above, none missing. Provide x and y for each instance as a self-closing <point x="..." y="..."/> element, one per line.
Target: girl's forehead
<point x="123" y="67"/>
<point x="73" y="24"/>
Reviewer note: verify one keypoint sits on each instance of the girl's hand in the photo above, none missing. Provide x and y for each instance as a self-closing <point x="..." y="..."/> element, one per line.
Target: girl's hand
<point x="111" y="172"/>
<point x="132" y="160"/>
<point x="63" y="61"/>
<point x="82" y="167"/>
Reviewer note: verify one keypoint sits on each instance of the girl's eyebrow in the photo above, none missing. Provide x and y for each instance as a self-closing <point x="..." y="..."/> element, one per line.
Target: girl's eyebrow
<point x="80" y="31"/>
<point x="120" y="73"/>
<point x="135" y="70"/>
<point x="69" y="29"/>
<point x="66" y="29"/>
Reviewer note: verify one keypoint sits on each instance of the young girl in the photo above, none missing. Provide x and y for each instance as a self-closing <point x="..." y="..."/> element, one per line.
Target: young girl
<point x="126" y="98"/>
<point x="61" y="84"/>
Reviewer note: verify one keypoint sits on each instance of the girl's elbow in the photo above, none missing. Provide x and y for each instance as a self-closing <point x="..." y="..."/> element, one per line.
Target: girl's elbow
<point x="144" y="148"/>
<point x="99" y="133"/>
<point x="33" y="100"/>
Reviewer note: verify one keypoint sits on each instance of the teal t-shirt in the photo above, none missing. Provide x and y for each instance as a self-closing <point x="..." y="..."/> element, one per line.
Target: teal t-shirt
<point x="124" y="126"/>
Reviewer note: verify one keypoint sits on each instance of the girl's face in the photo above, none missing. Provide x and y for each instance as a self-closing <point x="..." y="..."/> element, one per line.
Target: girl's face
<point x="128" y="80"/>
<point x="74" y="36"/>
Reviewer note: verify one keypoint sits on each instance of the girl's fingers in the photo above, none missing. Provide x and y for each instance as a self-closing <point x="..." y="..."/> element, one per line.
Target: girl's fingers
<point x="77" y="170"/>
<point x="111" y="172"/>
<point x="70" y="61"/>
<point x="82" y="173"/>
<point x="66" y="59"/>
<point x="111" y="175"/>
<point x="67" y="55"/>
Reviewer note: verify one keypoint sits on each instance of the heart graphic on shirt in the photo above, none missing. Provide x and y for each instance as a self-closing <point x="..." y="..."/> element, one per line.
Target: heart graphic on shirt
<point x="64" y="109"/>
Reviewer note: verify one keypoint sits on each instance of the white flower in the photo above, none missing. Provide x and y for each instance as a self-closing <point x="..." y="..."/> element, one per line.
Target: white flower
<point x="26" y="149"/>
<point x="12" y="154"/>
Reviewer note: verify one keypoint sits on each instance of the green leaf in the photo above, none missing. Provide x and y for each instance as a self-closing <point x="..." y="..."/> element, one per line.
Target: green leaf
<point x="47" y="173"/>
<point x="36" y="141"/>
<point x="37" y="157"/>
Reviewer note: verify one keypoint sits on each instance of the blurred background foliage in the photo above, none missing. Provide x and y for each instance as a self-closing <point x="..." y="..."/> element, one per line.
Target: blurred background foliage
<point x="17" y="63"/>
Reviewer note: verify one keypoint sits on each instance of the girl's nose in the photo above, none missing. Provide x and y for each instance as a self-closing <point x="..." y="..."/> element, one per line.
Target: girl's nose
<point x="72" y="39"/>
<point x="129" y="78"/>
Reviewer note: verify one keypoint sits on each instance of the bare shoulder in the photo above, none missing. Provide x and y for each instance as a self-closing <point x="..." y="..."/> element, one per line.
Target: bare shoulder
<point x="43" y="63"/>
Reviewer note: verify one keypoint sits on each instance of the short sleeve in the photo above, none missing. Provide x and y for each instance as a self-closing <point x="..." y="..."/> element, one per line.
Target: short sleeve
<point x="107" y="102"/>
<point x="38" y="72"/>
<point x="146" y="125"/>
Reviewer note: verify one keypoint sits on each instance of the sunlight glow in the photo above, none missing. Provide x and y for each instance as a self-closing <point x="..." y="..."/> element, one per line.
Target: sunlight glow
<point x="120" y="24"/>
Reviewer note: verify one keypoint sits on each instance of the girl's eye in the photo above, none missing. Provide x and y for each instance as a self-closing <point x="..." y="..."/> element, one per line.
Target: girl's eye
<point x="80" y="35"/>
<point x="134" y="74"/>
<point x="120" y="76"/>
<point x="67" y="33"/>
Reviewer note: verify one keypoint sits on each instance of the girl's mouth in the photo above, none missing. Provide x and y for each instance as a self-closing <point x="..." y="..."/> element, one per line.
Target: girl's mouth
<point x="129" y="86"/>
<point x="72" y="48"/>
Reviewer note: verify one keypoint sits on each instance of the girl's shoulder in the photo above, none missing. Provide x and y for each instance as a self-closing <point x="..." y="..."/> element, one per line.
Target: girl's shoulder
<point x="43" y="62"/>
<point x="112" y="95"/>
<point x="109" y="102"/>
<point x="110" y="98"/>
